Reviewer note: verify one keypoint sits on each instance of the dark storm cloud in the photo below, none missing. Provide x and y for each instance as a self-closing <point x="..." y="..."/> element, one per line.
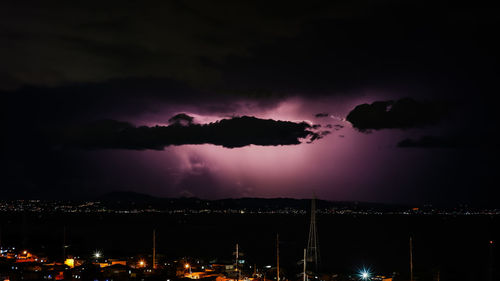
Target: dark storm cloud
<point x="388" y="46"/>
<point x="320" y="135"/>
<point x="56" y="42"/>
<point x="321" y="115"/>
<point x="254" y="48"/>
<point x="231" y="133"/>
<point x="181" y="119"/>
<point x="116" y="99"/>
<point x="401" y="114"/>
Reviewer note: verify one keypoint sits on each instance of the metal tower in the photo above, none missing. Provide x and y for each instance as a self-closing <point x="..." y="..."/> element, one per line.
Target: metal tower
<point x="312" y="244"/>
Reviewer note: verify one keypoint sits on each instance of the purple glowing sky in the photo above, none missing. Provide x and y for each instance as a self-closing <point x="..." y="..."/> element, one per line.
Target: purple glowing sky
<point x="345" y="165"/>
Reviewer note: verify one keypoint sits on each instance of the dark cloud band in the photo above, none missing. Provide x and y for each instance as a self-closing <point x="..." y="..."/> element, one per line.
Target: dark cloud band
<point x="230" y="133"/>
<point x="401" y="114"/>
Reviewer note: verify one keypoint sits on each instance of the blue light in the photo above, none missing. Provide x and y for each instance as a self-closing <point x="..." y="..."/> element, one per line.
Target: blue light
<point x="364" y="274"/>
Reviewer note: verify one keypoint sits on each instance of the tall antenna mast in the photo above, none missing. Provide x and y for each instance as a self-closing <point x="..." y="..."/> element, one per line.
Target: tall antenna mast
<point x="278" y="256"/>
<point x="312" y="244"/>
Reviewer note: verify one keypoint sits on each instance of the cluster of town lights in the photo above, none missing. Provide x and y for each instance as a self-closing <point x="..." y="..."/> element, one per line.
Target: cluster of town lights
<point x="364" y="274"/>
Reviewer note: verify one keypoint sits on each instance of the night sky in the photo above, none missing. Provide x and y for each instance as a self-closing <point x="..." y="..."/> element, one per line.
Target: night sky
<point x="380" y="101"/>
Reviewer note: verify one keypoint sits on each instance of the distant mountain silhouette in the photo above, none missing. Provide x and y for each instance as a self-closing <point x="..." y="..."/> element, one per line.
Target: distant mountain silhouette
<point x="127" y="196"/>
<point x="128" y="199"/>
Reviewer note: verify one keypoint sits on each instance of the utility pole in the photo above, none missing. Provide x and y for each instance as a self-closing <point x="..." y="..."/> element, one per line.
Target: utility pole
<point x="278" y="257"/>
<point x="305" y="262"/>
<point x="411" y="259"/>
<point x="237" y="258"/>
<point x="154" y="248"/>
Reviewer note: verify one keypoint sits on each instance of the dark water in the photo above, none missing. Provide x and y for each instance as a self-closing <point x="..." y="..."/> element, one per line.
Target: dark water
<point x="456" y="247"/>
